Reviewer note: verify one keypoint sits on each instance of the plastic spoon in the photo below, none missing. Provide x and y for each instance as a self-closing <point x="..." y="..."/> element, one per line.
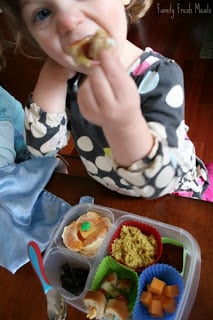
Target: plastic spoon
<point x="56" y="306"/>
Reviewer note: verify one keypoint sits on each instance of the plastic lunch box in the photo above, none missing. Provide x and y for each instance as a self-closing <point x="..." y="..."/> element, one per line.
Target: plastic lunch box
<point x="57" y="254"/>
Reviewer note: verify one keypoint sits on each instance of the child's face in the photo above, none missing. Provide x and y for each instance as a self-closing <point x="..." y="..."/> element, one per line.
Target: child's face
<point x="55" y="24"/>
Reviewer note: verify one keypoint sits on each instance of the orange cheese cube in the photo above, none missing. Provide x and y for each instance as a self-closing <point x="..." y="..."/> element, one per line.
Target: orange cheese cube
<point x="171" y="291"/>
<point x="157" y="297"/>
<point x="155" y="309"/>
<point x="157" y="286"/>
<point x="146" y="298"/>
<point x="169" y="305"/>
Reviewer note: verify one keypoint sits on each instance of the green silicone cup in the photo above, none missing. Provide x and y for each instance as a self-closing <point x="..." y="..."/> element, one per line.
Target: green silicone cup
<point x="109" y="265"/>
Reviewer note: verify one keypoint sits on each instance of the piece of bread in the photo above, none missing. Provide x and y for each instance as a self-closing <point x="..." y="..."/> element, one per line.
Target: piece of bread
<point x="86" y="50"/>
<point x="95" y="302"/>
<point x="116" y="309"/>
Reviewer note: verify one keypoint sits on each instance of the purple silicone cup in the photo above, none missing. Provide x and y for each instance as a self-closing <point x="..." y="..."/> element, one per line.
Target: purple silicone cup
<point x="165" y="273"/>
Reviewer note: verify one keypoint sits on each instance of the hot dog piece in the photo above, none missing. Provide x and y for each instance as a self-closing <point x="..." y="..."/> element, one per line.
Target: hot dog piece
<point x="116" y="309"/>
<point x="95" y="302"/>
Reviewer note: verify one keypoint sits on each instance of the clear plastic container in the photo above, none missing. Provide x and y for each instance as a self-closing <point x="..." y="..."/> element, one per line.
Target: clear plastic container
<point x="56" y="254"/>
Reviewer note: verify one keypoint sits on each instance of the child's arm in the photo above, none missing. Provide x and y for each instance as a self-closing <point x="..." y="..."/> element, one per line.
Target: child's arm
<point x="51" y="87"/>
<point x="47" y="105"/>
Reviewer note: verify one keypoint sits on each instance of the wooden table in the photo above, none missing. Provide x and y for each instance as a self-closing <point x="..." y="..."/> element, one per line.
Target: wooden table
<point x="21" y="294"/>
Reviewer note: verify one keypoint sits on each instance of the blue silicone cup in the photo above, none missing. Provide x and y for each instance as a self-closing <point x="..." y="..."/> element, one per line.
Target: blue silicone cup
<point x="165" y="273"/>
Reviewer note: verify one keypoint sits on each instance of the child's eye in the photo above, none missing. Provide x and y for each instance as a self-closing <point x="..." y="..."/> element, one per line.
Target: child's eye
<point x="42" y="15"/>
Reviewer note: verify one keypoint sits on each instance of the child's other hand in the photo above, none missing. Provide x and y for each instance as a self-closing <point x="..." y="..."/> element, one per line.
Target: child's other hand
<point x="108" y="97"/>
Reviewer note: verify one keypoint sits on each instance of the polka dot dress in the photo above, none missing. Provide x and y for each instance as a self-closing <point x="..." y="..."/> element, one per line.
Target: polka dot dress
<point x="171" y="165"/>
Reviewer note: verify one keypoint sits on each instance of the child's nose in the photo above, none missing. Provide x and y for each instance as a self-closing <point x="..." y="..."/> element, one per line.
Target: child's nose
<point x="67" y="22"/>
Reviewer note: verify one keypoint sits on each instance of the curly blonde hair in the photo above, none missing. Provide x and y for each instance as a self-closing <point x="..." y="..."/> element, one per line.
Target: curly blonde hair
<point x="135" y="10"/>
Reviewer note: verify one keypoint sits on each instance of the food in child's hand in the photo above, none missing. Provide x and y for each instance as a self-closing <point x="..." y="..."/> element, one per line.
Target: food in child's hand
<point x="86" y="234"/>
<point x="73" y="279"/>
<point x="133" y="248"/>
<point x="87" y="49"/>
<point x="160" y="298"/>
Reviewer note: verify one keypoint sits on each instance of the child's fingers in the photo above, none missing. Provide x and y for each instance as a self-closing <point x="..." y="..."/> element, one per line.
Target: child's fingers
<point x="114" y="71"/>
<point x="101" y="87"/>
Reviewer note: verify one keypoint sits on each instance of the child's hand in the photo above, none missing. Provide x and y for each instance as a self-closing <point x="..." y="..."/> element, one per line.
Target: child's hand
<point x="109" y="97"/>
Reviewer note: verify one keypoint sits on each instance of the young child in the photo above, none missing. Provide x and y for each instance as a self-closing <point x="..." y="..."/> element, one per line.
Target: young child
<point x="125" y="108"/>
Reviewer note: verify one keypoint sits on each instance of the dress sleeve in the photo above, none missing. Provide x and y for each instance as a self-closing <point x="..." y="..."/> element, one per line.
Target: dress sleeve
<point x="45" y="133"/>
<point x="161" y="90"/>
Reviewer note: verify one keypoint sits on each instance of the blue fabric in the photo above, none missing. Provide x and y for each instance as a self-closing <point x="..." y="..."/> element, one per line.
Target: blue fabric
<point x="12" y="145"/>
<point x="7" y="151"/>
<point x="11" y="110"/>
<point x="27" y="211"/>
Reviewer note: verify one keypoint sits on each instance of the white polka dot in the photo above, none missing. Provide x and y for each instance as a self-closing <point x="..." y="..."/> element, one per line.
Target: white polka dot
<point x="54" y="119"/>
<point x="132" y="177"/>
<point x="170" y="187"/>
<point x="169" y="156"/>
<point x="124" y="182"/>
<point x="158" y="128"/>
<point x="39" y="130"/>
<point x="148" y="191"/>
<point x="90" y="166"/>
<point x="151" y="60"/>
<point x="108" y="181"/>
<point x="165" y="177"/>
<point x="34" y="151"/>
<point x="175" y="97"/>
<point x="103" y="163"/>
<point x="149" y="82"/>
<point x="52" y="143"/>
<point x="85" y="144"/>
<point x="155" y="167"/>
